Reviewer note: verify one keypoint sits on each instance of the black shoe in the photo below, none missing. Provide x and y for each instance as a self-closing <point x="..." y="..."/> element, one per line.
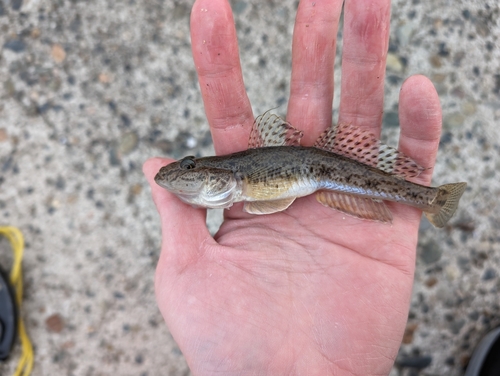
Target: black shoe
<point x="485" y="360"/>
<point x="8" y="316"/>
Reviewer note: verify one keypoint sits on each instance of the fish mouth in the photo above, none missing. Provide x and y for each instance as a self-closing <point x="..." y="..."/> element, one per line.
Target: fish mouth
<point x="160" y="180"/>
<point x="172" y="181"/>
<point x="177" y="191"/>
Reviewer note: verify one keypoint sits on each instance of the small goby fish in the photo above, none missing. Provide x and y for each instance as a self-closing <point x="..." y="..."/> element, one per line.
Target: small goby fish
<point x="348" y="169"/>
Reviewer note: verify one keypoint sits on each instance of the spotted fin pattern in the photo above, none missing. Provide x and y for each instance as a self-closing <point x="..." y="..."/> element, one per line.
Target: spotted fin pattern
<point x="364" y="147"/>
<point x="271" y="130"/>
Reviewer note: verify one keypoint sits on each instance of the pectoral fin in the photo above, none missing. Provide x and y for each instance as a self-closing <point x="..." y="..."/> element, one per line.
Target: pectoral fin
<point x="359" y="207"/>
<point x="267" y="207"/>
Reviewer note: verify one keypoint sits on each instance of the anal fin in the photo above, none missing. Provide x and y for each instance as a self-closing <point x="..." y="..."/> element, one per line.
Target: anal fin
<point x="360" y="207"/>
<point x="267" y="207"/>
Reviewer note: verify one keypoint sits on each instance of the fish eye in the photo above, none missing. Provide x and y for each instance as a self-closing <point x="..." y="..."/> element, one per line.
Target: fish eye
<point x="188" y="163"/>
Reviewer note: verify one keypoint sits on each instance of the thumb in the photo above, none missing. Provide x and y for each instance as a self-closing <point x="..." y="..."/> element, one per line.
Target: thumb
<point x="183" y="227"/>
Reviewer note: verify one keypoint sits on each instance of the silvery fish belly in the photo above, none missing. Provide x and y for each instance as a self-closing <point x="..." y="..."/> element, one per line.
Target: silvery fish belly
<point x="347" y="168"/>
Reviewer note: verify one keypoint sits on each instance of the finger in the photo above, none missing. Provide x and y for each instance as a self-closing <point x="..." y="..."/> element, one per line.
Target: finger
<point x="183" y="227"/>
<point x="313" y="57"/>
<point x="215" y="53"/>
<point x="364" y="52"/>
<point x="420" y="118"/>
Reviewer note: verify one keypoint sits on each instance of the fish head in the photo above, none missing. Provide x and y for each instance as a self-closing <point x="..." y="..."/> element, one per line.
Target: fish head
<point x="199" y="185"/>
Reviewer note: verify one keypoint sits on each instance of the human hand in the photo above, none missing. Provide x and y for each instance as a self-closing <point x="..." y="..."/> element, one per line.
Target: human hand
<point x="308" y="290"/>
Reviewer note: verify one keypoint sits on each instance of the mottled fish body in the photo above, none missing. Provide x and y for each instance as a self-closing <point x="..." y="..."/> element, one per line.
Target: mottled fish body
<point x="348" y="168"/>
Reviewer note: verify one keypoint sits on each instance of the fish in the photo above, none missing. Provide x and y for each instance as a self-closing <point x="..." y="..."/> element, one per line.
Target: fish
<point x="348" y="169"/>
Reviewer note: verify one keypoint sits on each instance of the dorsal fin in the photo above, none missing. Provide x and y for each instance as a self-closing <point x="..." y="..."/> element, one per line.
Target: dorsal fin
<point x="361" y="145"/>
<point x="271" y="130"/>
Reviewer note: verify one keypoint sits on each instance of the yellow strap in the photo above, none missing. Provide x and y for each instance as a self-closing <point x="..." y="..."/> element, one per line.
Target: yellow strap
<point x="16" y="239"/>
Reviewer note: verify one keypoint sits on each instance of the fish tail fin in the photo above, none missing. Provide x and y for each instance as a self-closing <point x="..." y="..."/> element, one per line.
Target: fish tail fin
<point x="447" y="201"/>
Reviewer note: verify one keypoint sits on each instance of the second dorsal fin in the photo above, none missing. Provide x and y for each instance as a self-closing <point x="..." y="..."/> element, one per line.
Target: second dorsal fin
<point x="271" y="130"/>
<point x="364" y="147"/>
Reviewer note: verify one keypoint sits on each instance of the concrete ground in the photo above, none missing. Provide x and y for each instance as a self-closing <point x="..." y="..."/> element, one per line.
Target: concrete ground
<point x="90" y="89"/>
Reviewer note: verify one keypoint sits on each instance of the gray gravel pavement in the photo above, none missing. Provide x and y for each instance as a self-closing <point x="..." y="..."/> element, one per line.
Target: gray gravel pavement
<point x="90" y="89"/>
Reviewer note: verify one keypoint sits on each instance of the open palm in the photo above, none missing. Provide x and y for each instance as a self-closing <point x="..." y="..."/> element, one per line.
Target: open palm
<point x="308" y="290"/>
